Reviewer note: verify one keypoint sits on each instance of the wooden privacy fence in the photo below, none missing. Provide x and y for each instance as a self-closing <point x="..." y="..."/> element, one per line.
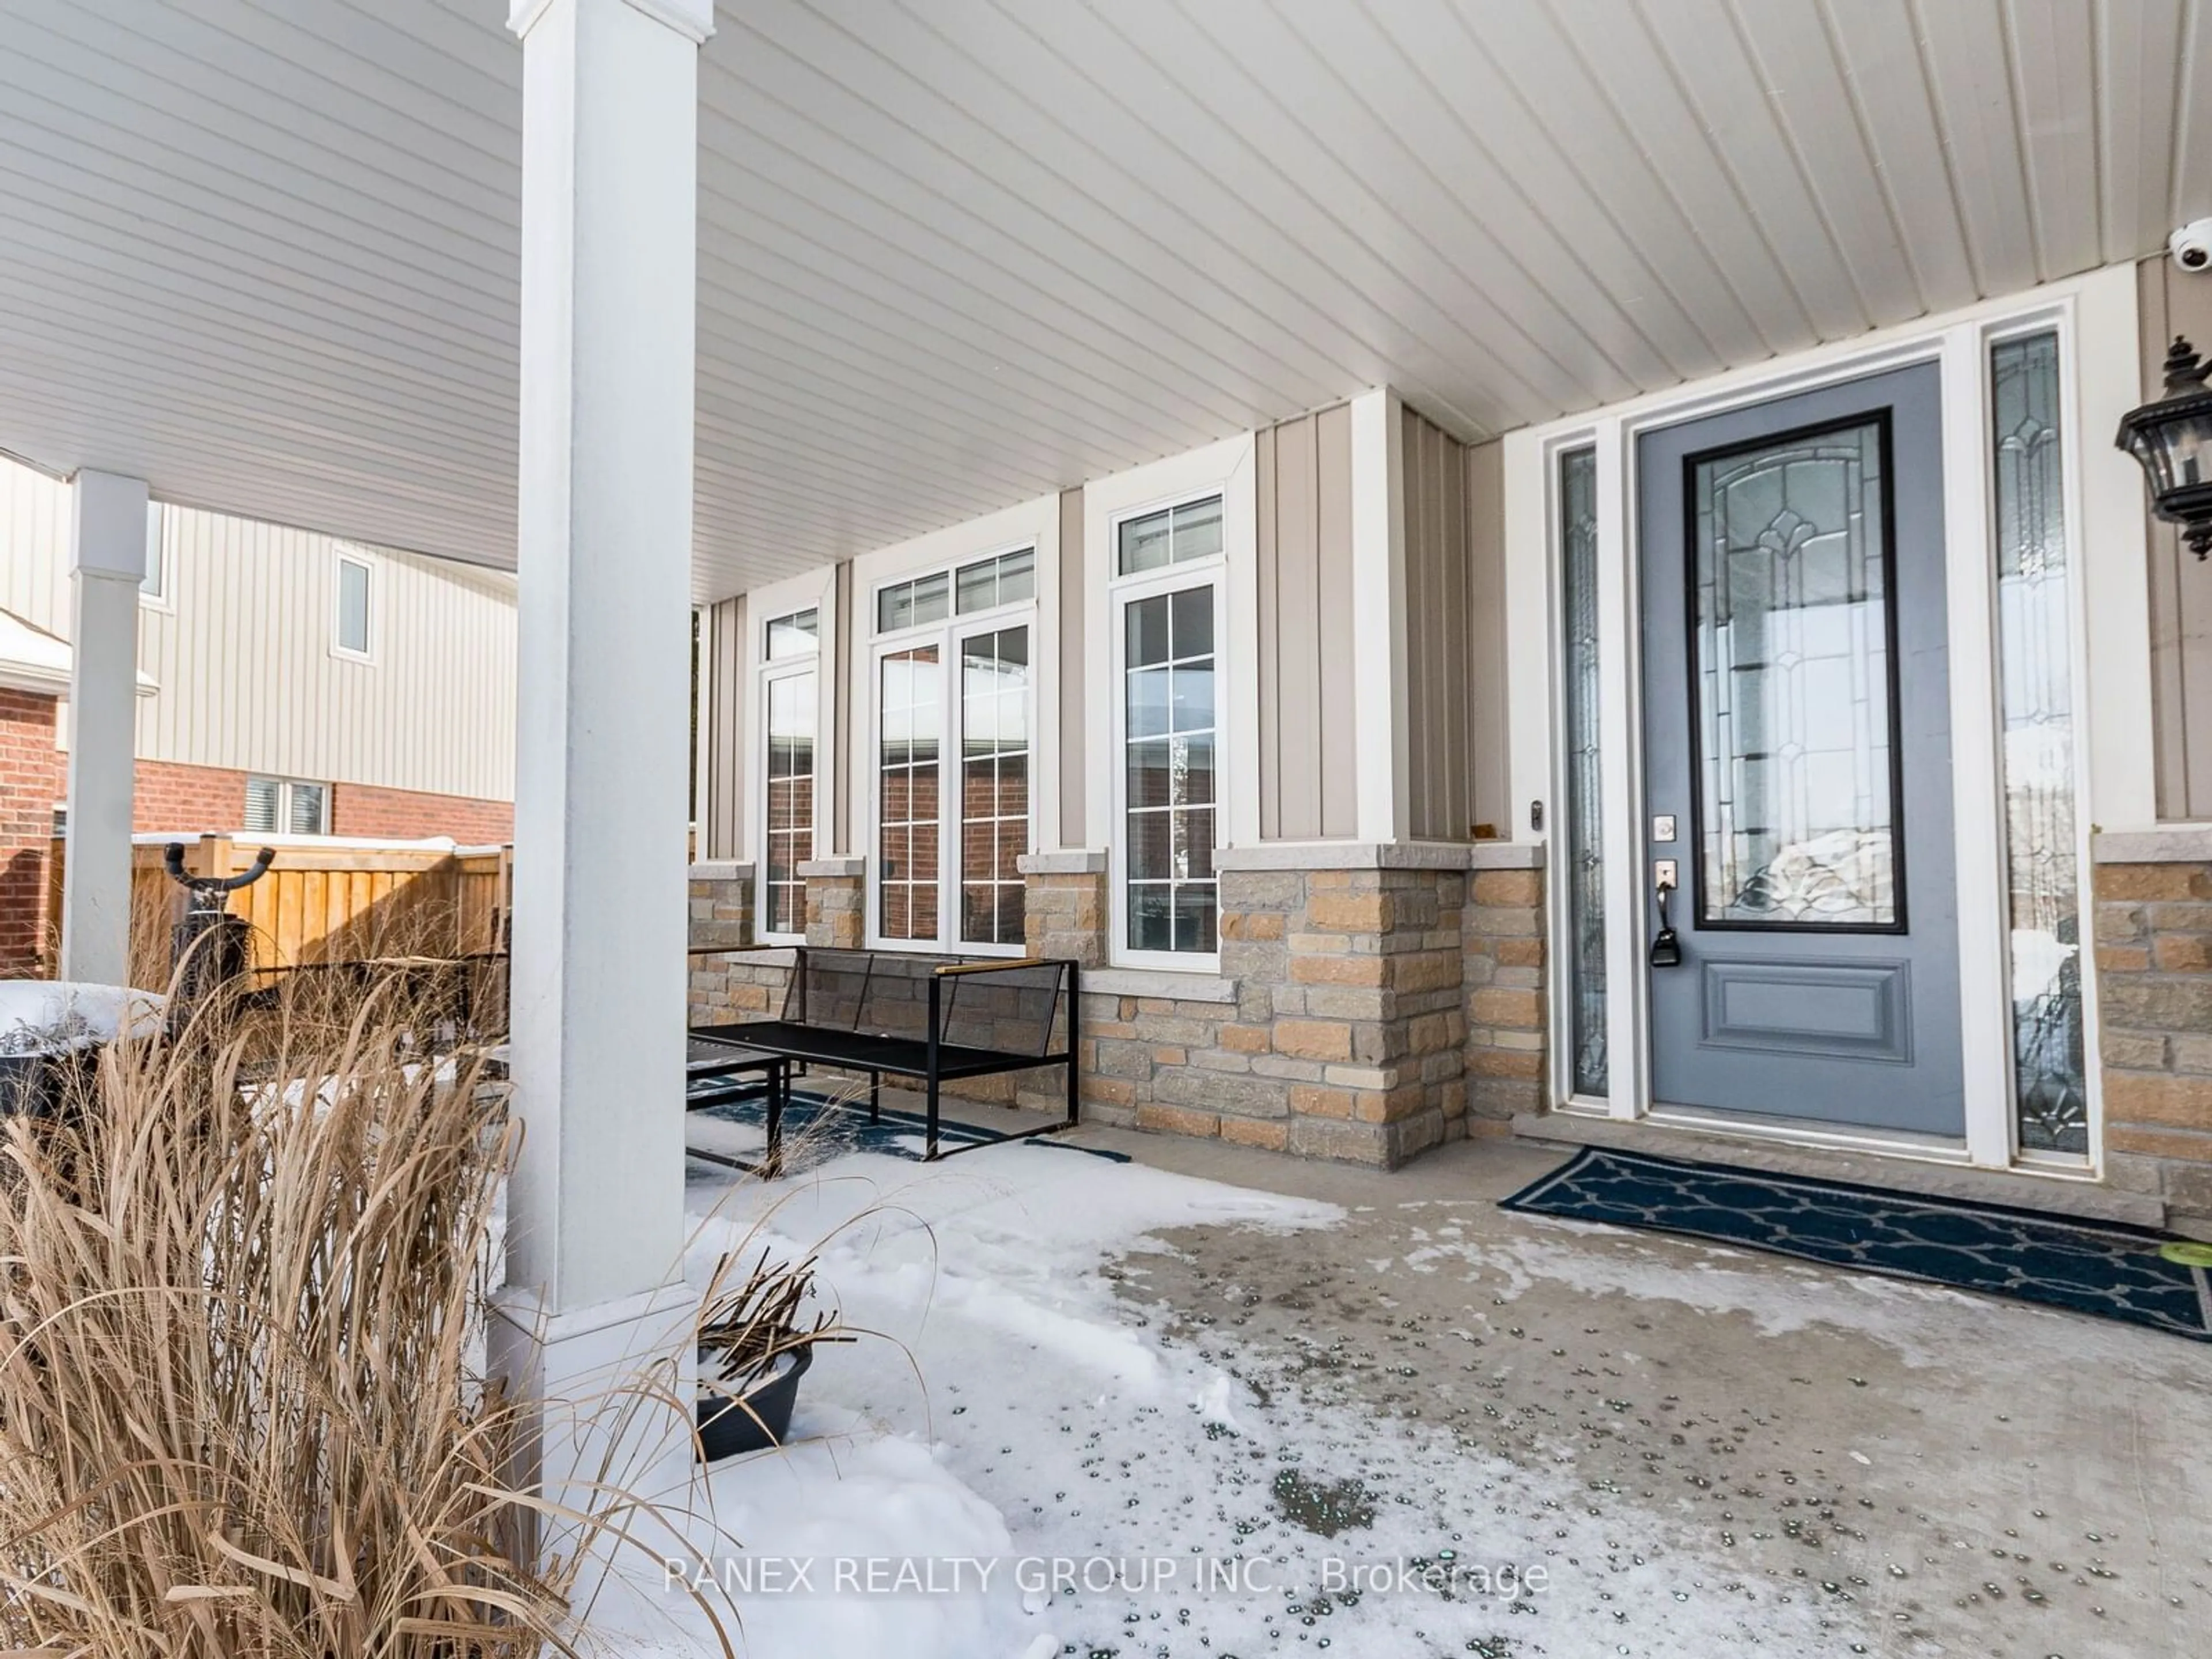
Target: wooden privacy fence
<point x="321" y="903"/>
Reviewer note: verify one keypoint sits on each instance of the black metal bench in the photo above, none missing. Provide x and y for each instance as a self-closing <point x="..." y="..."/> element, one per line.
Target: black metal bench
<point x="936" y="1019"/>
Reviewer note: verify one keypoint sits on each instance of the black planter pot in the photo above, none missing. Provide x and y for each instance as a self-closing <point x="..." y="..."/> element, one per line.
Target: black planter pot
<point x="756" y="1421"/>
<point x="44" y="1085"/>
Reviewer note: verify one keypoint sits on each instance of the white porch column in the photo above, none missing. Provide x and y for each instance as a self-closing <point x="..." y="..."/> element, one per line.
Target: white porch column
<point x="108" y="560"/>
<point x="610" y="205"/>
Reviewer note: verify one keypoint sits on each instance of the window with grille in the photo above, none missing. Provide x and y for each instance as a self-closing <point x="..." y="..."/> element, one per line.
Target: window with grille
<point x="287" y="807"/>
<point x="788" y="840"/>
<point x="1167" y="607"/>
<point x="909" y="794"/>
<point x="954" y="724"/>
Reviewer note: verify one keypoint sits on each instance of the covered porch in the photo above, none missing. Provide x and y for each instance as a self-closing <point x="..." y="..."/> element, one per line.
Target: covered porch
<point x="890" y="412"/>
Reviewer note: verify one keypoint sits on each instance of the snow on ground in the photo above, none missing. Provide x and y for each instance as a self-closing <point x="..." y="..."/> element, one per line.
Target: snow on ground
<point x="49" y="1016"/>
<point x="1053" y="1476"/>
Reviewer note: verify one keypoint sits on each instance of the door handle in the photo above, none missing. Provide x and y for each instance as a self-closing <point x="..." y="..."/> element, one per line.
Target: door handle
<point x="1665" y="949"/>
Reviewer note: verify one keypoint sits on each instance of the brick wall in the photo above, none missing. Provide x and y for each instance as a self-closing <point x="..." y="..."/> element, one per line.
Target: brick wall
<point x="1364" y="1013"/>
<point x="726" y="989"/>
<point x="1505" y="1000"/>
<point x="1342" y="1023"/>
<point x="31" y="783"/>
<point x="187" y="801"/>
<point x="360" y="809"/>
<point x="2154" y="963"/>
<point x="836" y="904"/>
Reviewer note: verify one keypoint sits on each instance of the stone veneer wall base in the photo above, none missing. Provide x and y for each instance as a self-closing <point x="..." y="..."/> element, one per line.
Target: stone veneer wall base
<point x="2153" y="943"/>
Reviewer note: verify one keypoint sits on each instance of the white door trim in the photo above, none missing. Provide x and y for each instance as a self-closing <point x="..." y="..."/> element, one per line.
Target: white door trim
<point x="2094" y="316"/>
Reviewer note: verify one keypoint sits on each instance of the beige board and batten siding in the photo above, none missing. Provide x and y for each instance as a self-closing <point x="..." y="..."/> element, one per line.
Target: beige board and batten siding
<point x="239" y="648"/>
<point x="1309" y="780"/>
<point x="725" y="665"/>
<point x="2173" y="302"/>
<point x="1453" y="501"/>
<point x="34" y="532"/>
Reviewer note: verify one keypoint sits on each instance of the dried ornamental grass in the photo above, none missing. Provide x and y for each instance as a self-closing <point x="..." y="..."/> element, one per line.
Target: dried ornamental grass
<point x="241" y="1301"/>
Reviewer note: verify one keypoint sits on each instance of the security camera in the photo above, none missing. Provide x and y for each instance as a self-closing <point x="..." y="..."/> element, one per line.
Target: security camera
<point x="2192" y="246"/>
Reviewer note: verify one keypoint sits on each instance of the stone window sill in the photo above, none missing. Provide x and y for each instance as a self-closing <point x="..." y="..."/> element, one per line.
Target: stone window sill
<point x="1158" y="982"/>
<point x="721" y="870"/>
<point x="2181" y="843"/>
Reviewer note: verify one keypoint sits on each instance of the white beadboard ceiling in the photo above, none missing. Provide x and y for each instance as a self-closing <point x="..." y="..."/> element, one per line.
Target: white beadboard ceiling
<point x="955" y="253"/>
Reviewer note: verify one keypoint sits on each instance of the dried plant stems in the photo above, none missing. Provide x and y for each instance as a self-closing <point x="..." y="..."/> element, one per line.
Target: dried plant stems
<point x="241" y="1303"/>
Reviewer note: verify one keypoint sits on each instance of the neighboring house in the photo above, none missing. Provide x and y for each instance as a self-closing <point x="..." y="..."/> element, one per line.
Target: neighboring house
<point x="287" y="682"/>
<point x="1282" y="734"/>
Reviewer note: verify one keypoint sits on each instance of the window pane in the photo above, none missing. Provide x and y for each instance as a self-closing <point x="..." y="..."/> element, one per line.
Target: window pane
<point x="933" y="595"/>
<point x="353" y="606"/>
<point x="908" y="787"/>
<point x="1192" y="696"/>
<point x="305" y="814"/>
<point x="796" y="635"/>
<point x="1144" y="543"/>
<point x="791" y="733"/>
<point x="1198" y="529"/>
<point x="1194" y="845"/>
<point x="1168" y="818"/>
<point x="1796" y="727"/>
<point x="1150" y="764"/>
<point x="1151" y="845"/>
<point x="1148" y="632"/>
<point x="2035" y="657"/>
<point x="261" y="804"/>
<point x="1193" y="627"/>
<point x="1018" y="576"/>
<point x="979" y="586"/>
<point x="1194" y="908"/>
<point x="151" y="585"/>
<point x="1585" y="871"/>
<point x="1151" y="911"/>
<point x="895" y="608"/>
<point x="1194" y="767"/>
<point x="1148" y="702"/>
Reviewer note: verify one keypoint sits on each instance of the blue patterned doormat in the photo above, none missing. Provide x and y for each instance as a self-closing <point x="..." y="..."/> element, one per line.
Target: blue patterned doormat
<point x="2094" y="1268"/>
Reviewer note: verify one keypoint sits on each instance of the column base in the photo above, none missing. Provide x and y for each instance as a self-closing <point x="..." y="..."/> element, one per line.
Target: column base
<point x="607" y="1393"/>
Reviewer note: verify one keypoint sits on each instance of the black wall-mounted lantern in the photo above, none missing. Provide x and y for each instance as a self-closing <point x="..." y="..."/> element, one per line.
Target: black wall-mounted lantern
<point x="2172" y="439"/>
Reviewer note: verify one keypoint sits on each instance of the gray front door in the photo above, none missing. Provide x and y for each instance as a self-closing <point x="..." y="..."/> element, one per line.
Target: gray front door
<point x="1797" y="733"/>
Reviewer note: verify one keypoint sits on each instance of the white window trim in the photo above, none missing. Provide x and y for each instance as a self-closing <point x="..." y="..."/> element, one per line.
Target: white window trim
<point x="785" y="668"/>
<point x="285" y="786"/>
<point x="816" y="591"/>
<point x="2094" y="317"/>
<point x="158" y="564"/>
<point x="1032" y="523"/>
<point x="949" y="634"/>
<point x="794" y="659"/>
<point x="1211" y="574"/>
<point x="1228" y="469"/>
<point x="340" y="557"/>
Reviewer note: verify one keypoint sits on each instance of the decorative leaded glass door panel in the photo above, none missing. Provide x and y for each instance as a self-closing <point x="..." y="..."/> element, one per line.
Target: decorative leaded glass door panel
<point x="1797" y="747"/>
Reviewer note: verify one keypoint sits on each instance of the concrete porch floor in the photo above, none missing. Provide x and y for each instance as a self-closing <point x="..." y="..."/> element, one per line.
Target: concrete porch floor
<point x="1947" y="1473"/>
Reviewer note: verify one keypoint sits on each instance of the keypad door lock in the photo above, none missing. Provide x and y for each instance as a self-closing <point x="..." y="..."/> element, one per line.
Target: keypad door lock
<point x="1666" y="948"/>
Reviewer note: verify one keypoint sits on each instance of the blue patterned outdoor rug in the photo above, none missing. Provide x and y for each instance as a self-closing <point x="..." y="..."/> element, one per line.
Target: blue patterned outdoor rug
<point x="2094" y="1268"/>
<point x="819" y="1126"/>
